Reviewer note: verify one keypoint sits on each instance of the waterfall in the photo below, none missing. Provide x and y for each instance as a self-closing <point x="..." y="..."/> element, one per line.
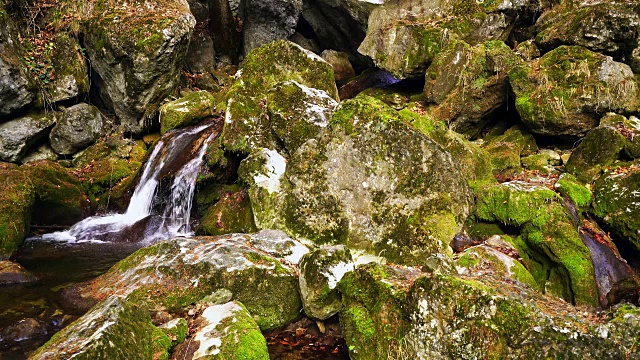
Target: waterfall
<point x="139" y="221"/>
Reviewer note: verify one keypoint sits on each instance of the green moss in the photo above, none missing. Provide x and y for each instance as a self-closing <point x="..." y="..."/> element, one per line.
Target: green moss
<point x="241" y="338"/>
<point x="600" y="148"/>
<point x="231" y="214"/>
<point x="568" y="186"/>
<point x="507" y="149"/>
<point x="186" y="110"/>
<point x="128" y="332"/>
<point x="617" y="204"/>
<point x="16" y="201"/>
<point x="371" y="316"/>
<point x="361" y="321"/>
<point x="176" y="330"/>
<point x="515" y="204"/>
<point x="548" y="231"/>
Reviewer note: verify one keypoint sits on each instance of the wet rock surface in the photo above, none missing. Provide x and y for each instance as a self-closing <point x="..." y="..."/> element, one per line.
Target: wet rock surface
<point x="136" y="72"/>
<point x="78" y="127"/>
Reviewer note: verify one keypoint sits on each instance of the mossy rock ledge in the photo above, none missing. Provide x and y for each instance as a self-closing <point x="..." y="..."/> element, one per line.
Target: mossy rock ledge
<point x="396" y="313"/>
<point x="549" y="243"/>
<point x="306" y="78"/>
<point x="41" y="192"/>
<point x="404" y="197"/>
<point x="187" y="110"/>
<point x="173" y="274"/>
<point x="113" y="329"/>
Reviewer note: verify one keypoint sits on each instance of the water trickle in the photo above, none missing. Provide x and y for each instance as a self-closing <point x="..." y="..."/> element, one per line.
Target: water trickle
<point x="139" y="223"/>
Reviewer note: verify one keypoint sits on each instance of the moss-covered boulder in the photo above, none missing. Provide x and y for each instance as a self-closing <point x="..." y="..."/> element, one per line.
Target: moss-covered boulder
<point x="187" y="110"/>
<point x="404" y="198"/>
<point x="247" y="125"/>
<point x="77" y="127"/>
<point x="16" y="199"/>
<point x="173" y="274"/>
<point x="263" y="171"/>
<point x="474" y="161"/>
<point x="176" y="329"/>
<point x="71" y="76"/>
<point x="224" y="332"/>
<point x="481" y="260"/>
<point x="507" y="149"/>
<point x="609" y="27"/>
<point x="617" y="204"/>
<point x="568" y="186"/>
<point x="600" y="148"/>
<point x="298" y="113"/>
<point x="372" y="319"/>
<point x="320" y="272"/>
<point x="403" y="37"/>
<point x="114" y="329"/>
<point x="468" y="83"/>
<point x="629" y="128"/>
<point x="136" y="50"/>
<point x="563" y="92"/>
<point x="396" y="312"/>
<point x="59" y="196"/>
<point x="18" y="135"/>
<point x="107" y="168"/>
<point x="231" y="214"/>
<point x="397" y="99"/>
<point x="17" y="89"/>
<point x="550" y="245"/>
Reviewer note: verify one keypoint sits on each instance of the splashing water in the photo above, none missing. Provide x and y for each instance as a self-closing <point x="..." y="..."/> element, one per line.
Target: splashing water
<point x="175" y="220"/>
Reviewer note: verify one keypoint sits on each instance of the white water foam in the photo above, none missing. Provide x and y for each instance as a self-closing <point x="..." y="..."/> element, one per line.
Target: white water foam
<point x="176" y="215"/>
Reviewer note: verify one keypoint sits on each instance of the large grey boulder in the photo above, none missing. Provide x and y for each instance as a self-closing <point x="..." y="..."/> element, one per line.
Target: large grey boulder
<point x="404" y="36"/>
<point x="137" y="51"/>
<point x="608" y="27"/>
<point x="17" y="136"/>
<point x="78" y="127"/>
<point x="269" y="20"/>
<point x="566" y="91"/>
<point x="402" y="313"/>
<point x="370" y="181"/>
<point x="16" y="88"/>
<point x="246" y="125"/>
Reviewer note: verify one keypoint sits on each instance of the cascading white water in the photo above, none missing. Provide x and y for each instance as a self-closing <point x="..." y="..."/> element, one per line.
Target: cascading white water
<point x="176" y="217"/>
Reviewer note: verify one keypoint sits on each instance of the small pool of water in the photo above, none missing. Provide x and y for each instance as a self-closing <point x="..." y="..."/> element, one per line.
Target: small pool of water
<point x="56" y="265"/>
